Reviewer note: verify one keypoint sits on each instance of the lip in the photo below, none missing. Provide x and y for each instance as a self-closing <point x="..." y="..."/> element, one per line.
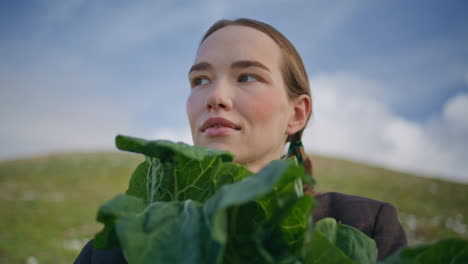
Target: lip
<point x="218" y="126"/>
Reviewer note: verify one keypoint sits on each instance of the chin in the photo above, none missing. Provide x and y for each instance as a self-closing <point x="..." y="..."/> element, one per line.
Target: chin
<point x="218" y="146"/>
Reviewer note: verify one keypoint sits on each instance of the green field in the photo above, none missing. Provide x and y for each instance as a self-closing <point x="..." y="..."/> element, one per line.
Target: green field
<point x="48" y="204"/>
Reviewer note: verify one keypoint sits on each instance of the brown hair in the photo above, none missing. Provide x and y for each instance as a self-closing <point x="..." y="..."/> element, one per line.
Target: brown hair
<point x="293" y="71"/>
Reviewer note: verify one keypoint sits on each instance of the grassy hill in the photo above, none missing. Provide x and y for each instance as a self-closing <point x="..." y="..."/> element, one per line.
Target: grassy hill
<point x="48" y="204"/>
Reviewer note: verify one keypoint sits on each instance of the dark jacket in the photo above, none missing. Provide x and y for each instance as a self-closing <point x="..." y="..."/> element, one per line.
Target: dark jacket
<point x="376" y="219"/>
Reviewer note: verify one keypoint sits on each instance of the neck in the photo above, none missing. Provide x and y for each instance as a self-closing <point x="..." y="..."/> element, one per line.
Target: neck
<point x="258" y="164"/>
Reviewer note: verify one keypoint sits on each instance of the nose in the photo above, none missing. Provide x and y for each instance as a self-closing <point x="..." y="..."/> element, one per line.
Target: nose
<point x="219" y="97"/>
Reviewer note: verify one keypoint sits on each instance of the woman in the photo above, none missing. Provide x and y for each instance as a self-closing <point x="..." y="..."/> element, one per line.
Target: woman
<point x="250" y="95"/>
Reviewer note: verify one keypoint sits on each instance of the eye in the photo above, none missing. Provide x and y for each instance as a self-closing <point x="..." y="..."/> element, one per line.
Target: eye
<point x="247" y="78"/>
<point x="200" y="81"/>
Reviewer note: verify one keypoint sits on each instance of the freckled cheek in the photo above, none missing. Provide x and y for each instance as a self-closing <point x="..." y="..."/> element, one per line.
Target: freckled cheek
<point x="263" y="108"/>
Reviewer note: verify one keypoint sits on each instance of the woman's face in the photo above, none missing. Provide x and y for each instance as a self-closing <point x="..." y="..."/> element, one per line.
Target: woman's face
<point x="238" y="101"/>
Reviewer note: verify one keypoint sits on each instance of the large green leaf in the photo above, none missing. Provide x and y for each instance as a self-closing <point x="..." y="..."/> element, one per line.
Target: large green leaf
<point x="138" y="184"/>
<point x="406" y="256"/>
<point x="320" y="250"/>
<point x="176" y="171"/>
<point x="112" y="211"/>
<point x="166" y="232"/>
<point x="275" y="223"/>
<point x="450" y="251"/>
<point x="337" y="243"/>
<point x="251" y="224"/>
<point x="166" y="150"/>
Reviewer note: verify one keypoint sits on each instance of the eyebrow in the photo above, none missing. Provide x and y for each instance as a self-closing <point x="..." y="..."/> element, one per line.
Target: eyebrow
<point x="249" y="63"/>
<point x="200" y="67"/>
<point x="237" y="64"/>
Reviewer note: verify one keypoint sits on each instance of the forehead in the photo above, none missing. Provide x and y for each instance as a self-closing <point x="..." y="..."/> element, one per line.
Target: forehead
<point x="233" y="43"/>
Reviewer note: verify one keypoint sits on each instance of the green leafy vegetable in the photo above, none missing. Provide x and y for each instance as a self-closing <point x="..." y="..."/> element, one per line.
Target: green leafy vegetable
<point x="337" y="243"/>
<point x="192" y="205"/>
<point x="204" y="226"/>
<point x="453" y="251"/>
<point x="177" y="171"/>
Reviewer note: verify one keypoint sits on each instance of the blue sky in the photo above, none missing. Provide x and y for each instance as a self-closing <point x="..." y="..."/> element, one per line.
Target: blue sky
<point x="389" y="78"/>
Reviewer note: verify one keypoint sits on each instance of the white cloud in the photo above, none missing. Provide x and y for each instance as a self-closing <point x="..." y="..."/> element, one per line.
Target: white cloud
<point x="90" y="125"/>
<point x="47" y="108"/>
<point x="357" y="126"/>
<point x="456" y="112"/>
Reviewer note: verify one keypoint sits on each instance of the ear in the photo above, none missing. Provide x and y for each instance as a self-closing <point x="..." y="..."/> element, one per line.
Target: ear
<point x="302" y="105"/>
